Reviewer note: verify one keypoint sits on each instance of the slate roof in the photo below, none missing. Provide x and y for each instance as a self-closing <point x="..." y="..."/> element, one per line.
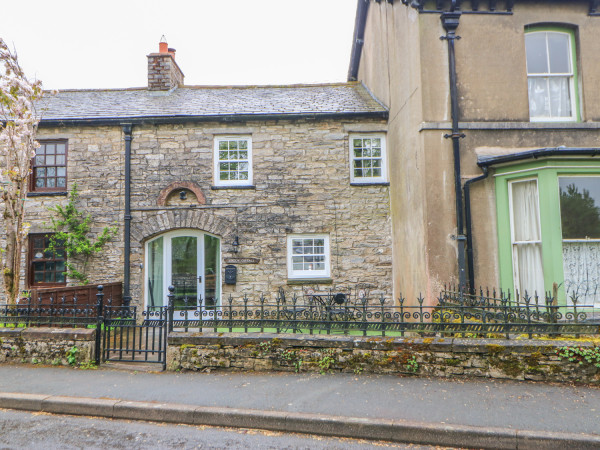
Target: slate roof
<point x="207" y="102"/>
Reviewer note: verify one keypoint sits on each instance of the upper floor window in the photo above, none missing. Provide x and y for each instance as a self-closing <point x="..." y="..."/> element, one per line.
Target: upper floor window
<point x="551" y="75"/>
<point x="367" y="158"/>
<point x="49" y="167"/>
<point x="233" y="161"/>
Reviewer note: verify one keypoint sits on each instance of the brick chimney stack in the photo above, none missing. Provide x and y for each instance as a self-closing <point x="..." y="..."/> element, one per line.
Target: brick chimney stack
<point x="163" y="72"/>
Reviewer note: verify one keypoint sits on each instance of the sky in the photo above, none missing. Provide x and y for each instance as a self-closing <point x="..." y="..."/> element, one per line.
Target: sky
<point x="93" y="44"/>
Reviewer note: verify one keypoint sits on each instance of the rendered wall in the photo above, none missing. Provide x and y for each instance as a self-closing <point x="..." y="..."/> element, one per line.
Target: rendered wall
<point x="405" y="63"/>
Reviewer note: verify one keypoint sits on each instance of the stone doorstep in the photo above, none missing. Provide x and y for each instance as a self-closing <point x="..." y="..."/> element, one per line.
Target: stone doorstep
<point x="69" y="334"/>
<point x="320" y="424"/>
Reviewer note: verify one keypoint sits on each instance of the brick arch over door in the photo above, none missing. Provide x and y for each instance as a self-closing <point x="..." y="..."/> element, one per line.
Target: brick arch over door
<point x="148" y="224"/>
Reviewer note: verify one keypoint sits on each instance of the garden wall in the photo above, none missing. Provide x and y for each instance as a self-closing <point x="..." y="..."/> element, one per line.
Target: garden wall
<point x="492" y="358"/>
<point x="56" y="346"/>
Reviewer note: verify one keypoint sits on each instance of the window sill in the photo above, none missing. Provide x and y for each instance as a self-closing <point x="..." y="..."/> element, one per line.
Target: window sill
<point x="47" y="194"/>
<point x="296" y="281"/>
<point x="217" y="188"/>
<point x="371" y="183"/>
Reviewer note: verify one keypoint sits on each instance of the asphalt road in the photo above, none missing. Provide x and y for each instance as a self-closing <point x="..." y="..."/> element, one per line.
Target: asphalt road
<point x="21" y="430"/>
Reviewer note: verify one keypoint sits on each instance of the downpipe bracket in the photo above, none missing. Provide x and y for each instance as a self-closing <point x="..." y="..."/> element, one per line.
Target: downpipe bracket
<point x="455" y="136"/>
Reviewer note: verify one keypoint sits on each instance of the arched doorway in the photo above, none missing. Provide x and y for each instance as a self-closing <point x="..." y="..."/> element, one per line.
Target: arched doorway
<point x="189" y="260"/>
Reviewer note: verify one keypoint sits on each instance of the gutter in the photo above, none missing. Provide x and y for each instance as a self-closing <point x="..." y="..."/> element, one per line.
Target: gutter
<point x="539" y="153"/>
<point x="177" y="119"/>
<point x="362" y="9"/>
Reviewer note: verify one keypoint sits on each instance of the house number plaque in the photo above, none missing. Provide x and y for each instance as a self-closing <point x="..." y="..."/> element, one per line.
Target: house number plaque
<point x="242" y="260"/>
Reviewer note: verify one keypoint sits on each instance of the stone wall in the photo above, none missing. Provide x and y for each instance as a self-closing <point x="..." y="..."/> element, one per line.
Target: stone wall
<point x="301" y="185"/>
<point x="47" y="345"/>
<point x="504" y="359"/>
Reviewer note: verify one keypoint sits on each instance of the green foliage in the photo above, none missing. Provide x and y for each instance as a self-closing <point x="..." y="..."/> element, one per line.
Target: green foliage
<point x="265" y="347"/>
<point x="294" y="357"/>
<point x="581" y="355"/>
<point x="71" y="228"/>
<point x="72" y="355"/>
<point x="412" y="365"/>
<point x="326" y="361"/>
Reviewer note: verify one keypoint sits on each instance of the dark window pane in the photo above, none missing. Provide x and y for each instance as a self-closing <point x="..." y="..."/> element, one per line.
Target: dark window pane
<point x="580" y="207"/>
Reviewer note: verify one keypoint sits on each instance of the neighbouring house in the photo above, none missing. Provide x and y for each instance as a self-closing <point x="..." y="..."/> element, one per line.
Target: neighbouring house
<point x="494" y="140"/>
<point x="217" y="190"/>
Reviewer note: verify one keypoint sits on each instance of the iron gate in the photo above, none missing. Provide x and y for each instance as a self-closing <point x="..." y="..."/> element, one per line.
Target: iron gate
<point x="125" y="339"/>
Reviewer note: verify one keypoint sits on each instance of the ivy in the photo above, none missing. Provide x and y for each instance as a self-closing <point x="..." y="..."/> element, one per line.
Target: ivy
<point x="71" y="229"/>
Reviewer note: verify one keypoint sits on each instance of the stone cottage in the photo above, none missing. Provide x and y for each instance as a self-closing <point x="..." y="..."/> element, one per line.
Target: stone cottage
<point x="218" y="190"/>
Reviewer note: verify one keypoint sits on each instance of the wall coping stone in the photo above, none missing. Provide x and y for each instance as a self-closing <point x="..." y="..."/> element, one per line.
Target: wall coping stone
<point x="74" y="334"/>
<point x="457" y="345"/>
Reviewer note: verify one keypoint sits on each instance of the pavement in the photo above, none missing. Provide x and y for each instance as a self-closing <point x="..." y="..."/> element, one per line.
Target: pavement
<point x="477" y="413"/>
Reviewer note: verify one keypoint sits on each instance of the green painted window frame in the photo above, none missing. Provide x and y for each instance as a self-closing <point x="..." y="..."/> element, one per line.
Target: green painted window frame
<point x="571" y="33"/>
<point x="547" y="173"/>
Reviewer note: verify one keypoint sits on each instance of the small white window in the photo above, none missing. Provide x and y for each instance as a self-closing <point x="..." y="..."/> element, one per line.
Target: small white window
<point x="551" y="76"/>
<point x="233" y="161"/>
<point x="308" y="256"/>
<point x="367" y="158"/>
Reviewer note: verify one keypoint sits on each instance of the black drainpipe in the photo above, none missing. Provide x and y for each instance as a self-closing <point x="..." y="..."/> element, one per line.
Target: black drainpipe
<point x="127" y="127"/>
<point x="470" y="258"/>
<point x="450" y="21"/>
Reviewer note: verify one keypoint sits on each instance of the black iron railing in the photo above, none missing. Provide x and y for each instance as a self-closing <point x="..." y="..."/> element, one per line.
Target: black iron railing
<point x="353" y="312"/>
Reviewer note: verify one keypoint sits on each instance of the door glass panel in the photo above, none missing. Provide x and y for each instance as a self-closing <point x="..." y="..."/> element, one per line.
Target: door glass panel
<point x="184" y="265"/>
<point x="211" y="272"/>
<point x="155" y="273"/>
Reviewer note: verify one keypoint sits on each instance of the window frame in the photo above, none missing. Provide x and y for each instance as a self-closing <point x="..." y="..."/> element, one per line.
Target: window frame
<point x="30" y="262"/>
<point x="572" y="75"/>
<point x="32" y="177"/>
<point x="216" y="161"/>
<point x="308" y="274"/>
<point x="547" y="172"/>
<point x="368" y="180"/>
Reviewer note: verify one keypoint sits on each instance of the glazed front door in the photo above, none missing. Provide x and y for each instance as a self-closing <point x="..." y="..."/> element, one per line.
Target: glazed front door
<point x="190" y="262"/>
<point x="186" y="261"/>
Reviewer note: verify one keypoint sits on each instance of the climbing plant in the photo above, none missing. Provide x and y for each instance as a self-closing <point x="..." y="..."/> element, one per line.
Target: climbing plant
<point x="18" y="125"/>
<point x="72" y="230"/>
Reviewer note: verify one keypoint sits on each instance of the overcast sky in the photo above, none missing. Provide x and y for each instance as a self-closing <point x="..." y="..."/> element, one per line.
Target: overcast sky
<point x="73" y="44"/>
